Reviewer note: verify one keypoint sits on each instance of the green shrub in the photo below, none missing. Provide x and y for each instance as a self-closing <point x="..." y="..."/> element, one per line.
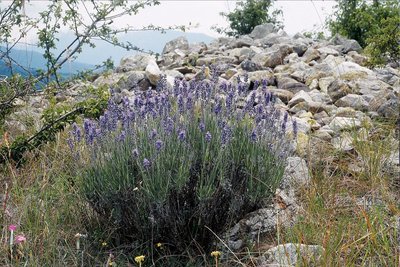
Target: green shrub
<point x="375" y="26"/>
<point x="247" y="15"/>
<point x="173" y="164"/>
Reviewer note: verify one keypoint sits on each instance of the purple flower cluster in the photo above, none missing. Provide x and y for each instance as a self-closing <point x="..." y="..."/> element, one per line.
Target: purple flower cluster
<point x="166" y="112"/>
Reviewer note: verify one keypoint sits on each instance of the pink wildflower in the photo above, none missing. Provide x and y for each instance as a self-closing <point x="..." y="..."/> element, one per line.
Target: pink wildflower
<point x="20" y="239"/>
<point x="12" y="227"/>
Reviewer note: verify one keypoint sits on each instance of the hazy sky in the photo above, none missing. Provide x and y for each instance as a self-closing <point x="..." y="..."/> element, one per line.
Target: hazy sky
<point x="298" y="15"/>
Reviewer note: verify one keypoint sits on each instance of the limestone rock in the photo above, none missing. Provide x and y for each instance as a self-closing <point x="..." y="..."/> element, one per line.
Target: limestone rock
<point x="343" y="123"/>
<point x="300" y="97"/>
<point x="291" y="84"/>
<point x="346" y="45"/>
<point x="292" y="254"/>
<point x="354" y="101"/>
<point x="137" y="62"/>
<point x="178" y="43"/>
<point x="260" y="31"/>
<point x="153" y="72"/>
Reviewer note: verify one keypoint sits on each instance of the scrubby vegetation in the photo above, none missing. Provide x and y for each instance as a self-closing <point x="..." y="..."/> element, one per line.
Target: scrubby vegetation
<point x="374" y="24"/>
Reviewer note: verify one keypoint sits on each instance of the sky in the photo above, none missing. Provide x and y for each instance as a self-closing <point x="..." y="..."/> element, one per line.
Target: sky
<point x="298" y="15"/>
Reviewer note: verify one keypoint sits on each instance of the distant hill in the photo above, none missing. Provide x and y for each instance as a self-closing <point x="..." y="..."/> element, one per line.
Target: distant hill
<point x="33" y="60"/>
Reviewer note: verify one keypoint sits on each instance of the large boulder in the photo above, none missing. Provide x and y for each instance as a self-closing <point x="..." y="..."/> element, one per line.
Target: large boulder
<point x="180" y="43"/>
<point x="346" y="45"/>
<point x="136" y="62"/>
<point x="291" y="84"/>
<point x="260" y="31"/>
<point x="354" y="101"/>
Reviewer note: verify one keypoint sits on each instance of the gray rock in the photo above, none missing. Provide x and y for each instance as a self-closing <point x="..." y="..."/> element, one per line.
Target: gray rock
<point x="153" y="72"/>
<point x="344" y="142"/>
<point x="292" y="254"/>
<point x="207" y="61"/>
<point x="296" y="174"/>
<point x="328" y="51"/>
<point x="260" y="31"/>
<point x="243" y="41"/>
<point x="300" y="48"/>
<point x="324" y="83"/>
<point x="250" y="66"/>
<point x="390" y="109"/>
<point x="137" y="62"/>
<point x="273" y="57"/>
<point x="197" y="48"/>
<point x="311" y="54"/>
<point x="300" y="97"/>
<point x="369" y="86"/>
<point x="337" y="89"/>
<point x="15" y="126"/>
<point x="354" y="101"/>
<point x="343" y="123"/>
<point x="318" y="96"/>
<point x="180" y="43"/>
<point x="291" y="84"/>
<point x="342" y="68"/>
<point x="262" y="75"/>
<point x="347" y="45"/>
<point x="282" y="94"/>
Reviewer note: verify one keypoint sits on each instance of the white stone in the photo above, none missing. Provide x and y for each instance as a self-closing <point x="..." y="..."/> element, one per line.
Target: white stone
<point x="153" y="72"/>
<point x="342" y="123"/>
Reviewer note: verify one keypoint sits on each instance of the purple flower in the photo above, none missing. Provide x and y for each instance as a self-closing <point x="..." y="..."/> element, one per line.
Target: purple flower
<point x="146" y="163"/>
<point x="208" y="137"/>
<point x="246" y="77"/>
<point x="264" y="83"/>
<point x="229" y="100"/>
<point x="153" y="134"/>
<point x="169" y="125"/>
<point x="295" y="128"/>
<point x="180" y="104"/>
<point x="76" y="131"/>
<point x="162" y="83"/>
<point x="253" y="135"/>
<point x="268" y="97"/>
<point x="70" y="144"/>
<point x="159" y="144"/>
<point x="218" y="107"/>
<point x="285" y="119"/>
<point x="121" y="136"/>
<point x="189" y="102"/>
<point x="135" y="153"/>
<point x="202" y="126"/>
<point x="226" y="135"/>
<point x="182" y="135"/>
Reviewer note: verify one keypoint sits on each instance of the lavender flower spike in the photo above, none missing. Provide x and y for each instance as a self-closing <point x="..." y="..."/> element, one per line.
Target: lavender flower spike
<point x="159" y="145"/>
<point x="208" y="137"/>
<point x="146" y="163"/>
<point x="182" y="135"/>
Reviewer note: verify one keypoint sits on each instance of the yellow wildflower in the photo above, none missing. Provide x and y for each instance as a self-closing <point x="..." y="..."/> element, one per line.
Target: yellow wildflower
<point x="139" y="259"/>
<point x="216" y="254"/>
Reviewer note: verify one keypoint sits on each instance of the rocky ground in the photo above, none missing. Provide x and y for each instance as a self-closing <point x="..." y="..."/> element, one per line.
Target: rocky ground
<point x="324" y="85"/>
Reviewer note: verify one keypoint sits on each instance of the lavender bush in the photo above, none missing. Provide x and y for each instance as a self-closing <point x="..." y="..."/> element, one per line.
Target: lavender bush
<point x="167" y="163"/>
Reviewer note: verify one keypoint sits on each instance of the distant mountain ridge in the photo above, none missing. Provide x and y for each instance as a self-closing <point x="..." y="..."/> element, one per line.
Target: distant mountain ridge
<point x="31" y="58"/>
